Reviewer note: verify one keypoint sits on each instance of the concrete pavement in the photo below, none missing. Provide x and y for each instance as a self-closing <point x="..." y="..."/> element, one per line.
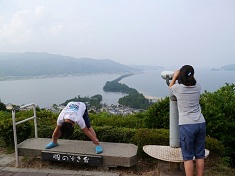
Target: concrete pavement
<point x="13" y="171"/>
<point x="7" y="168"/>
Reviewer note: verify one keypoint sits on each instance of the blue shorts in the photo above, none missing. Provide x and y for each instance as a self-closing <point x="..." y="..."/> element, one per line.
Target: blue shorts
<point x="192" y="140"/>
<point x="86" y="119"/>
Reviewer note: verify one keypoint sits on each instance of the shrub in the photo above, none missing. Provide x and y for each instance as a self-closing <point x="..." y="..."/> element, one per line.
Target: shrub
<point x="215" y="146"/>
<point x="2" y="106"/>
<point x="218" y="109"/>
<point x="46" y="123"/>
<point x="128" y="121"/>
<point x="157" y="116"/>
<point x="106" y="134"/>
<point x="146" y="136"/>
<point x="119" y="135"/>
<point x="23" y="130"/>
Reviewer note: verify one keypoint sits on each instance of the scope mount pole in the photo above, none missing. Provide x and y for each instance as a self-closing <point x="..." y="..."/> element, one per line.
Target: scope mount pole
<point x="174" y="119"/>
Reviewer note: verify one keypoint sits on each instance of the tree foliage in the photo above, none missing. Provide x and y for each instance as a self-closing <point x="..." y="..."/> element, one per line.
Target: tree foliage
<point x="2" y="107"/>
<point x="107" y="119"/>
<point x="218" y="109"/>
<point x="91" y="101"/>
<point x="135" y="100"/>
<point x="157" y="116"/>
<point x="115" y="86"/>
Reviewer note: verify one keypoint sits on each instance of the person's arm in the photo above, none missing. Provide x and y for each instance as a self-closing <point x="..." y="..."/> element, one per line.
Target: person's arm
<point x="175" y="77"/>
<point x="56" y="134"/>
<point x="92" y="131"/>
<point x="91" y="136"/>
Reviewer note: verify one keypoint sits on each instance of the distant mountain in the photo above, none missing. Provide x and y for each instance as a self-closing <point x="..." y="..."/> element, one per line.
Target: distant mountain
<point x="44" y="64"/>
<point x="228" y="67"/>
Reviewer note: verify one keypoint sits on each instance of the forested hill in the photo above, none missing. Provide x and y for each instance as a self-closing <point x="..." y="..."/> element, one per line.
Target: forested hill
<point x="44" y="64"/>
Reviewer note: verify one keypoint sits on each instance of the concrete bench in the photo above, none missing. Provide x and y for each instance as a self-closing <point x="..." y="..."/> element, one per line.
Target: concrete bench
<point x="83" y="152"/>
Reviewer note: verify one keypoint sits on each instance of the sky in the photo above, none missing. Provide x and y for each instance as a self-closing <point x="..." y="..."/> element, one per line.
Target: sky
<point x="141" y="32"/>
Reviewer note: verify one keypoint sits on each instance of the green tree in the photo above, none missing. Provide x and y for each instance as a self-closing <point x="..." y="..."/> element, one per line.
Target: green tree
<point x="90" y="101"/>
<point x="218" y="109"/>
<point x="157" y="116"/>
<point x="135" y="100"/>
<point x="115" y="86"/>
<point x="2" y="107"/>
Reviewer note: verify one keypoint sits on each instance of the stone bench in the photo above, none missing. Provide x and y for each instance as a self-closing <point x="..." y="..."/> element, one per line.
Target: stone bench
<point x="114" y="154"/>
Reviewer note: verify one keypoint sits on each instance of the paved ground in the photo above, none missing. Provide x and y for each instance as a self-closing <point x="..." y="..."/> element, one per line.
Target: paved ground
<point x="11" y="171"/>
<point x="7" y="168"/>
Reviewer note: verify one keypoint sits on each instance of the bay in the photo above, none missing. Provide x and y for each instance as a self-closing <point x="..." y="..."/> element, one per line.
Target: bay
<point x="48" y="91"/>
<point x="151" y="83"/>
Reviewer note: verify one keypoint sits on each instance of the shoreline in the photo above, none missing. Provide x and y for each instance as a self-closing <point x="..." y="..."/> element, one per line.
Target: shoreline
<point x="152" y="98"/>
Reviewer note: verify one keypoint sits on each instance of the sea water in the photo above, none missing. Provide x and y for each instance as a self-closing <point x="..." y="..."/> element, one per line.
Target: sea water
<point x="45" y="92"/>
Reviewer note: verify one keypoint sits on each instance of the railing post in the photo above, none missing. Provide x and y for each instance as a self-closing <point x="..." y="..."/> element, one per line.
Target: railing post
<point x="15" y="137"/>
<point x="14" y="123"/>
<point x="35" y="122"/>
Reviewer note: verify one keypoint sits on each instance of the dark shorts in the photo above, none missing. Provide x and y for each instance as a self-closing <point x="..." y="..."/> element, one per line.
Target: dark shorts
<point x="86" y="119"/>
<point x="192" y="140"/>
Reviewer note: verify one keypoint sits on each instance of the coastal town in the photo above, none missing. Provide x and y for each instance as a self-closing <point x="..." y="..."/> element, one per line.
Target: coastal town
<point x="112" y="109"/>
<point x="115" y="109"/>
<point x="119" y="109"/>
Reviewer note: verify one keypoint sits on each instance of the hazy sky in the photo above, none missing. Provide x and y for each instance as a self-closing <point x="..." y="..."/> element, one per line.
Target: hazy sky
<point x="143" y="32"/>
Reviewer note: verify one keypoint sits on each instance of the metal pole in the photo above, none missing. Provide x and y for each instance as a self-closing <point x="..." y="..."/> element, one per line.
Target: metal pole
<point x="14" y="123"/>
<point x="174" y="119"/>
<point x="15" y="138"/>
<point x="35" y="122"/>
<point x="174" y="122"/>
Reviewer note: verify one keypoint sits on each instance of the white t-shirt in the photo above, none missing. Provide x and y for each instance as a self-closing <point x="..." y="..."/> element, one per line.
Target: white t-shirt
<point x="188" y="103"/>
<point x="74" y="112"/>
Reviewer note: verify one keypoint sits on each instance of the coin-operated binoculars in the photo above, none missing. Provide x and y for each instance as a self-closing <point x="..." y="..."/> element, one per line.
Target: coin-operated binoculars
<point x="174" y="115"/>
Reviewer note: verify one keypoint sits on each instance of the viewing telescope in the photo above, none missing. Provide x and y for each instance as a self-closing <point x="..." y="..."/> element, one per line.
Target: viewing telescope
<point x="167" y="75"/>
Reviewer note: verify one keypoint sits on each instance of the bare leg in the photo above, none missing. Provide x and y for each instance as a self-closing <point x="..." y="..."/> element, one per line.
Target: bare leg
<point x="188" y="166"/>
<point x="200" y="166"/>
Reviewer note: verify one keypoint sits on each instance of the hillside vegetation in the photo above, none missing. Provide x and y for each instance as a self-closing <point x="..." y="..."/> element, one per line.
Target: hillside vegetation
<point x="134" y="99"/>
<point x="145" y="128"/>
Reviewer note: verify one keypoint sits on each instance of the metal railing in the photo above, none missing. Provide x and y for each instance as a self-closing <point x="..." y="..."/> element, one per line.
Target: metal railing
<point x="32" y="105"/>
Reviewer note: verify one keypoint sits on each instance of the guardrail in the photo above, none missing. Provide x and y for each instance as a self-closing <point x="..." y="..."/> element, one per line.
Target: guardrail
<point x="32" y="105"/>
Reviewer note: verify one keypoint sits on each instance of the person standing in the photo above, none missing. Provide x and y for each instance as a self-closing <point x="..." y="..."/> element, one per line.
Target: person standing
<point x="191" y="121"/>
